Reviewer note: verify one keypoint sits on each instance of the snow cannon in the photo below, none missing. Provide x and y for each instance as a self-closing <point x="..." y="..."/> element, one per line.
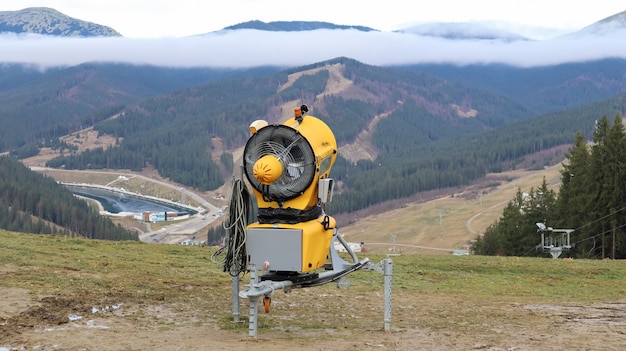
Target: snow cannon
<point x="288" y="167"/>
<point x="290" y="242"/>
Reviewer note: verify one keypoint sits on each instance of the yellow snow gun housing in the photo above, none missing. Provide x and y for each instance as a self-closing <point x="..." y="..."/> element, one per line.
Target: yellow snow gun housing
<point x="284" y="164"/>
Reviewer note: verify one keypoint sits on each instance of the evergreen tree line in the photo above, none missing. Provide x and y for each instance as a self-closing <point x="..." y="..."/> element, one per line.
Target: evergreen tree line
<point x="186" y="161"/>
<point x="33" y="203"/>
<point x="591" y="201"/>
<point x="17" y="221"/>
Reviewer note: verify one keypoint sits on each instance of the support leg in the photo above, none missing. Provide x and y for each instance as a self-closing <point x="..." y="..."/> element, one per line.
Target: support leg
<point x="235" y="298"/>
<point x="388" y="273"/>
<point x="254" y="314"/>
<point x="254" y="299"/>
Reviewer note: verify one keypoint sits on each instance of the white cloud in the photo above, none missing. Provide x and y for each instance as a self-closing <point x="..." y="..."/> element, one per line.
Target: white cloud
<point x="245" y="48"/>
<point x="179" y="18"/>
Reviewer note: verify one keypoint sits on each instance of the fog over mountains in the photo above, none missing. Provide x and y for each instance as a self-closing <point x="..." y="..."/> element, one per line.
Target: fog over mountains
<point x="254" y="45"/>
<point x="463" y="31"/>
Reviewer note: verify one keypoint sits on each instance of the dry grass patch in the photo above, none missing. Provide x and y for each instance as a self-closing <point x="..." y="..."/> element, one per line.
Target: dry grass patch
<point x="448" y="222"/>
<point x="159" y="288"/>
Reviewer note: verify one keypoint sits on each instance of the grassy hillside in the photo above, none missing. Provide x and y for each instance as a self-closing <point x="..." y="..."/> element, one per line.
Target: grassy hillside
<point x="69" y="294"/>
<point x="465" y="213"/>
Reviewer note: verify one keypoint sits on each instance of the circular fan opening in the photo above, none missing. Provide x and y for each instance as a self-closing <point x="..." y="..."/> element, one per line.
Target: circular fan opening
<point x="293" y="152"/>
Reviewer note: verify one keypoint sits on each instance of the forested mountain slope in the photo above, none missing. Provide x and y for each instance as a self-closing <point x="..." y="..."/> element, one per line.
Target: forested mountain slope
<point x="458" y="161"/>
<point x="542" y="89"/>
<point x="173" y="132"/>
<point x="37" y="107"/>
<point x="434" y="133"/>
<point x="33" y="203"/>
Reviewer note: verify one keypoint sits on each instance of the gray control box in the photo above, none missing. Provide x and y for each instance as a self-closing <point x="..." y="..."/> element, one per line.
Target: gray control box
<point x="275" y="249"/>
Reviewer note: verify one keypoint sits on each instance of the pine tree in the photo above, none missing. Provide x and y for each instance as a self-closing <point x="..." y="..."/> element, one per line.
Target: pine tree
<point x="515" y="233"/>
<point x="573" y="203"/>
<point x="599" y="176"/>
<point x="592" y="195"/>
<point x="607" y="186"/>
<point x="613" y="187"/>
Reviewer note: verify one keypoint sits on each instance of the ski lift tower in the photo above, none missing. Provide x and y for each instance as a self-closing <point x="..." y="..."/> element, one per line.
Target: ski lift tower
<point x="554" y="241"/>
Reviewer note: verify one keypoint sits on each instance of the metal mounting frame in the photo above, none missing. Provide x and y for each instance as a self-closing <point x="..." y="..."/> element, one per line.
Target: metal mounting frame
<point x="340" y="268"/>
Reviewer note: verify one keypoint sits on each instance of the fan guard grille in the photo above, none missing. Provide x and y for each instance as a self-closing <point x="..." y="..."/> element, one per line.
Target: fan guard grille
<point x="293" y="151"/>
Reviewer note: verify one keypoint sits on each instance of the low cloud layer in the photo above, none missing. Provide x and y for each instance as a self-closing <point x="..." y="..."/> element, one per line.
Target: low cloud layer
<point x="246" y="48"/>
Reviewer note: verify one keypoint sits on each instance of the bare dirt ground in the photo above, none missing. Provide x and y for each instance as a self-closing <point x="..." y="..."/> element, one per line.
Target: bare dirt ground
<point x="85" y="322"/>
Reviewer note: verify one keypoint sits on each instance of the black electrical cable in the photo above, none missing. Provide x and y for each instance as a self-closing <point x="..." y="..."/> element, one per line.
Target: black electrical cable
<point x="240" y="208"/>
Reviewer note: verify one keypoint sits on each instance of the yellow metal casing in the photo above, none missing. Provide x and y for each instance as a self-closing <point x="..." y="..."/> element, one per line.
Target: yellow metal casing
<point x="324" y="145"/>
<point x="315" y="241"/>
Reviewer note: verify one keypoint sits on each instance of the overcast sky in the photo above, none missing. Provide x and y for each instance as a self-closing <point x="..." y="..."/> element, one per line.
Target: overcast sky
<point x="176" y="18"/>
<point x="156" y="32"/>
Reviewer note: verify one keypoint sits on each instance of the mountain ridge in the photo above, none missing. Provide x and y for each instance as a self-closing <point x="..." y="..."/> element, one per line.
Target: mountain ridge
<point x="48" y="21"/>
<point x="293" y="26"/>
<point x="324" y="41"/>
<point x="603" y="26"/>
<point x="463" y="31"/>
